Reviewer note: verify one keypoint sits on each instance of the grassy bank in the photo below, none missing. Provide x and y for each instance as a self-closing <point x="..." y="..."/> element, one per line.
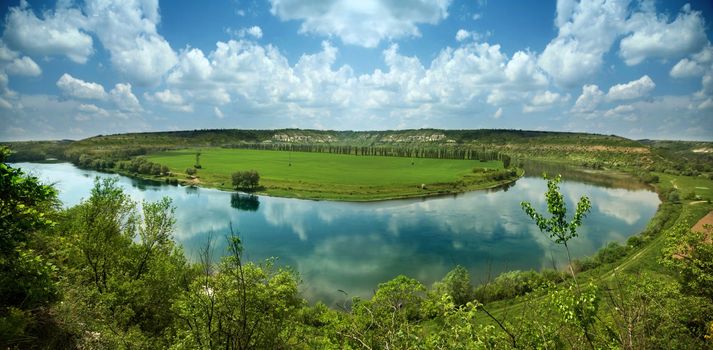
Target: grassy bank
<point x="337" y="176"/>
<point x="643" y="252"/>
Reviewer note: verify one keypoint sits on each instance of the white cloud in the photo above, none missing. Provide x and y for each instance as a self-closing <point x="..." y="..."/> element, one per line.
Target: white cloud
<point x="592" y="96"/>
<point x="23" y="66"/>
<point x="686" y="68"/>
<point x="364" y="23"/>
<point x="543" y="101"/>
<point x="6" y="54"/>
<point x="589" y="28"/>
<point x="654" y="37"/>
<point x="170" y="99"/>
<point x="498" y="113"/>
<point x="707" y="104"/>
<point x="631" y="90"/>
<point x="127" y="29"/>
<point x="700" y="63"/>
<point x="218" y="113"/>
<point x="192" y="67"/>
<point x="586" y="32"/>
<point x="59" y="32"/>
<point x="166" y="97"/>
<point x="259" y="79"/>
<point x="462" y="35"/>
<point x="254" y="31"/>
<point x="90" y="109"/>
<point x="589" y="100"/>
<point x="78" y="88"/>
<point x="4" y="104"/>
<point x="620" y="110"/>
<point x="124" y="99"/>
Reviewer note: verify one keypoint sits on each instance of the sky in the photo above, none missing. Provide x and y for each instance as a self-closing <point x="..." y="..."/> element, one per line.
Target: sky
<point x="75" y="69"/>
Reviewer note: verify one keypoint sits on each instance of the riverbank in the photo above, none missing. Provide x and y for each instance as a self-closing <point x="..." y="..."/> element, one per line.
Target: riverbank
<point x="337" y="177"/>
<point x="347" y="194"/>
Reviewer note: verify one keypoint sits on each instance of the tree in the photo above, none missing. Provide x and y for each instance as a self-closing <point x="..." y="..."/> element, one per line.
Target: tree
<point x="26" y="276"/>
<point x="557" y="226"/>
<point x="198" y="160"/>
<point x="242" y="306"/>
<point x="690" y="254"/>
<point x="457" y="285"/>
<point x="578" y="307"/>
<point x="246" y="179"/>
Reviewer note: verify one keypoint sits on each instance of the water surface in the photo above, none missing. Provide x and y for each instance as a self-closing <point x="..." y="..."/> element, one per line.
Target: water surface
<point x="355" y="246"/>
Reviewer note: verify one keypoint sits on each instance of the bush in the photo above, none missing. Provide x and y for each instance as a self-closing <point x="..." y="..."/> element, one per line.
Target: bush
<point x="246" y="179"/>
<point x="191" y="171"/>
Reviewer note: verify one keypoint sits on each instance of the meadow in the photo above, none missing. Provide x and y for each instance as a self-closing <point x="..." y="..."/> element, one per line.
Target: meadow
<point x="335" y="176"/>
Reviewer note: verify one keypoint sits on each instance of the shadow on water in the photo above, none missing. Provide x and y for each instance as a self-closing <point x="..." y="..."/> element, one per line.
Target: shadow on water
<point x="246" y="202"/>
<point x="602" y="178"/>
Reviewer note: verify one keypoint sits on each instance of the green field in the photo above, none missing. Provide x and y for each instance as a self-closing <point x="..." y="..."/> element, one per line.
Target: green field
<point x="334" y="176"/>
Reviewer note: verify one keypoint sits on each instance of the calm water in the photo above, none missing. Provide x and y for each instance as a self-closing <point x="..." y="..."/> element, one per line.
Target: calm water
<point x="355" y="246"/>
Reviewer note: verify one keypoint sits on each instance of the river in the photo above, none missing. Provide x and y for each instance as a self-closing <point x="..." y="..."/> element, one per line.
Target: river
<point x="353" y="247"/>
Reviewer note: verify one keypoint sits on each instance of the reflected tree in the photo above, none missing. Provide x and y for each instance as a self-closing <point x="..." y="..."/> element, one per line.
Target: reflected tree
<point x="247" y="202"/>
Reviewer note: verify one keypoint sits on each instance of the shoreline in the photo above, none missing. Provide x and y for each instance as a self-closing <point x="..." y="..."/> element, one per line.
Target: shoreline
<point x="305" y="195"/>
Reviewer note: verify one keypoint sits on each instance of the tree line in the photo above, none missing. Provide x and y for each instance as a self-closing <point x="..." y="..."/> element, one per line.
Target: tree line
<point x="444" y="152"/>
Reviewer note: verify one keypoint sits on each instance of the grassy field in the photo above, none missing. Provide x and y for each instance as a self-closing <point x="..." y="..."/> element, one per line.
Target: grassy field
<point x="644" y="259"/>
<point x="334" y="176"/>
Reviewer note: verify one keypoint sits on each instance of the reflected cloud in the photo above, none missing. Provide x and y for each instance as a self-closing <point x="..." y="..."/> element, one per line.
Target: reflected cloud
<point x="356" y="246"/>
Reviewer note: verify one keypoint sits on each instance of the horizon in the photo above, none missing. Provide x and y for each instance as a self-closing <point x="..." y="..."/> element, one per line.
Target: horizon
<point x="358" y="131"/>
<point x="634" y="69"/>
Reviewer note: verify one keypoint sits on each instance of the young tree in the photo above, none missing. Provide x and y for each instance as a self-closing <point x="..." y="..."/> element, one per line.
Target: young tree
<point x="198" y="160"/>
<point x="557" y="226"/>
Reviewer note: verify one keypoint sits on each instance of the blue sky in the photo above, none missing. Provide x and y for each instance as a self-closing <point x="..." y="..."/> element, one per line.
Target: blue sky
<point x="74" y="69"/>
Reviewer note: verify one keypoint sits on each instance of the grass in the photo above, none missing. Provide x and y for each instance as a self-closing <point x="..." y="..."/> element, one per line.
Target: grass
<point x="334" y="176"/>
<point x="643" y="259"/>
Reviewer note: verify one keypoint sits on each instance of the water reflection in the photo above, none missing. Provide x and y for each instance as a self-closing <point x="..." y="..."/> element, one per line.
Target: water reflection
<point x="354" y="246"/>
<point x="590" y="176"/>
<point x="247" y="202"/>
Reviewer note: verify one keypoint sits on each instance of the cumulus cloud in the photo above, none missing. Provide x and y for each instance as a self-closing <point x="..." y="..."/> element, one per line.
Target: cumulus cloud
<point x="254" y="31"/>
<point x="462" y="35"/>
<point x="620" y="110"/>
<point x="88" y="109"/>
<point x="586" y="32"/>
<point x="60" y="32"/>
<point x="364" y="23"/>
<point x="260" y="78"/>
<point x="588" y="29"/>
<point x="698" y="64"/>
<point x="23" y="66"/>
<point x="707" y="104"/>
<point x="654" y="37"/>
<point x="631" y="90"/>
<point x="543" y="101"/>
<point x="124" y="99"/>
<point x="78" y="88"/>
<point x="127" y="29"/>
<point x="589" y="100"/>
<point x="686" y="68"/>
<point x="592" y="96"/>
<point x="170" y="99"/>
